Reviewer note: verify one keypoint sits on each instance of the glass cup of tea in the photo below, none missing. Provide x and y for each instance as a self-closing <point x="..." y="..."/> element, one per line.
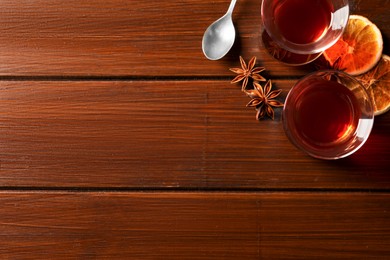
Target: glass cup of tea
<point x="302" y="27"/>
<point x="328" y="114"/>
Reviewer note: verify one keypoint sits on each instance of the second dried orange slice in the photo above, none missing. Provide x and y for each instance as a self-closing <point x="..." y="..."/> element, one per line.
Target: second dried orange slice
<point x="359" y="48"/>
<point x="377" y="83"/>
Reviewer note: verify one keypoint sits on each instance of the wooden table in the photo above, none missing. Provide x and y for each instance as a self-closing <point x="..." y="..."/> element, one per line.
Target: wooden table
<point x="120" y="140"/>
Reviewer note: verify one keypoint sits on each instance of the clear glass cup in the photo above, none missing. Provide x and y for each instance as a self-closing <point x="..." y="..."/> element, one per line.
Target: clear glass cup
<point x="304" y="27"/>
<point x="328" y="114"/>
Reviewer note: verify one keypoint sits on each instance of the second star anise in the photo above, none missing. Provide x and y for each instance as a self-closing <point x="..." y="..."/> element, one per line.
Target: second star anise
<point x="263" y="99"/>
<point x="246" y="72"/>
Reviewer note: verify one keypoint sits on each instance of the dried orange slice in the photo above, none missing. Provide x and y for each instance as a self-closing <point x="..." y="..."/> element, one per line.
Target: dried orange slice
<point x="359" y="48"/>
<point x="377" y="83"/>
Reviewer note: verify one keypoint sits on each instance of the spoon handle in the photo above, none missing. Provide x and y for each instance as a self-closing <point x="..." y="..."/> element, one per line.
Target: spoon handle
<point x="231" y="7"/>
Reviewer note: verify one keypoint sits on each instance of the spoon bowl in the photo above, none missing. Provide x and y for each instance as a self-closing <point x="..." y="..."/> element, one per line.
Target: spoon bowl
<point x="219" y="37"/>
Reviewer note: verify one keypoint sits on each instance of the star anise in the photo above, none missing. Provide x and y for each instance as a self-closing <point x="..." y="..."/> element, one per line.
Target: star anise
<point x="246" y="72"/>
<point x="276" y="52"/>
<point x="324" y="64"/>
<point x="263" y="99"/>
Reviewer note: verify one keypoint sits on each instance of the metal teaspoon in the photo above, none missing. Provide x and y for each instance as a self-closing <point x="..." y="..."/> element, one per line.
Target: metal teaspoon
<point x="219" y="37"/>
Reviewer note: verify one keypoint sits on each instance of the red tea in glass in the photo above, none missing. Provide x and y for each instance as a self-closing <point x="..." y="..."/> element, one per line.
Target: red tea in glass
<point x="303" y="21"/>
<point x="328" y="115"/>
<point x="305" y="26"/>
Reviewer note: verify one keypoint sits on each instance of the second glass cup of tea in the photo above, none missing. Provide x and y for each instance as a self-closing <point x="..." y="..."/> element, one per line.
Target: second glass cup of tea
<point x="298" y="31"/>
<point x="328" y="114"/>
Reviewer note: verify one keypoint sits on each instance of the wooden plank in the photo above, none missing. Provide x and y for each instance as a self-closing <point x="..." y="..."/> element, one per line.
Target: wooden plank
<point x="135" y="38"/>
<point x="104" y="225"/>
<point x="163" y="134"/>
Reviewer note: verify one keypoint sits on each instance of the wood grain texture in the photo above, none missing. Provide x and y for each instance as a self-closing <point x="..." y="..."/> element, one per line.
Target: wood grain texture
<point x="101" y="97"/>
<point x="107" y="225"/>
<point x="163" y="134"/>
<point x="135" y="38"/>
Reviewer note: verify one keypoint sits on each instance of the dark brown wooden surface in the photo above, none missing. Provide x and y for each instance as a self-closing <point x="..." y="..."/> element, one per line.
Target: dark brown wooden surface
<point x="135" y="38"/>
<point x="119" y="140"/>
<point x="223" y="225"/>
<point x="158" y="134"/>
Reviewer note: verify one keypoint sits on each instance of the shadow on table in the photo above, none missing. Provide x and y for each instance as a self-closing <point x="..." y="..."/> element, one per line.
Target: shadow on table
<point x="231" y="59"/>
<point x="374" y="157"/>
